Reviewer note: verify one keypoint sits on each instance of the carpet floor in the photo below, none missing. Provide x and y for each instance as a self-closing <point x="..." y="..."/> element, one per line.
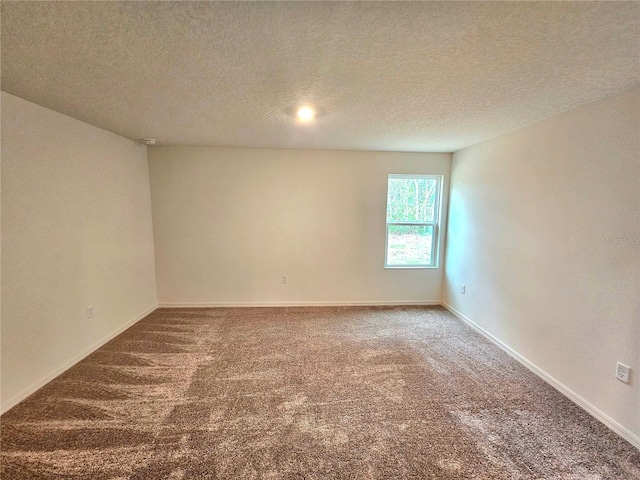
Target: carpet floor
<point x="305" y="393"/>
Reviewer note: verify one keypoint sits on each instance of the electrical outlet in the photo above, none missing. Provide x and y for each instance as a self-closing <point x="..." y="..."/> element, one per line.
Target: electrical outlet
<point x="463" y="289"/>
<point x="90" y="312"/>
<point x="623" y="372"/>
<point x="285" y="279"/>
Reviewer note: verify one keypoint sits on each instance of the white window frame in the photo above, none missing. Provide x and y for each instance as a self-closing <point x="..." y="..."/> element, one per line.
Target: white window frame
<point x="435" y="223"/>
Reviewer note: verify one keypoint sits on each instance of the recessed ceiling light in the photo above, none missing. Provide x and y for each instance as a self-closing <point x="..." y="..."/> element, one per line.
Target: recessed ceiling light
<point x="306" y="113"/>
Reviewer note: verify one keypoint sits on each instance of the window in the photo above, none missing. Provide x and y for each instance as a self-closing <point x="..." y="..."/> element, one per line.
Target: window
<point x="413" y="212"/>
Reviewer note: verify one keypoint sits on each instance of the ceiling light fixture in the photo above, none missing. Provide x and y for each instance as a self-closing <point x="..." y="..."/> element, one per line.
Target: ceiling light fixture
<point x="306" y="114"/>
<point x="148" y="141"/>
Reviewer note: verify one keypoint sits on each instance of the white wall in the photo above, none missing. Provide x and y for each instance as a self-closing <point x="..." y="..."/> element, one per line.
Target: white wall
<point x="229" y="222"/>
<point x="76" y="226"/>
<point x="544" y="225"/>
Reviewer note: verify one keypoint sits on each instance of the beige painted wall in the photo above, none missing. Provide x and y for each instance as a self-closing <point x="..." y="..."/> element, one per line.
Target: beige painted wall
<point x="76" y="226"/>
<point x="544" y="225"/>
<point x="229" y="222"/>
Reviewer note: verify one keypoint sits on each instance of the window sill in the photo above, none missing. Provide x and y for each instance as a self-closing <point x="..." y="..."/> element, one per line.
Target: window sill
<point x="409" y="267"/>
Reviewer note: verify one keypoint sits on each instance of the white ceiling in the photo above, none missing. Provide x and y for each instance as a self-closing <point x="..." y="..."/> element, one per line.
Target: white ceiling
<point x="429" y="76"/>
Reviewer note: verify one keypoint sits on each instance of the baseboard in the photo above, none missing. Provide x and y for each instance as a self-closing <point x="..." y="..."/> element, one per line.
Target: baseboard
<point x="363" y="303"/>
<point x="60" y="370"/>
<point x="621" y="430"/>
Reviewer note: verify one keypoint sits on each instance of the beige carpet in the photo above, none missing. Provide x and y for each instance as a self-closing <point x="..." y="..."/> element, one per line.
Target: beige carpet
<point x="305" y="393"/>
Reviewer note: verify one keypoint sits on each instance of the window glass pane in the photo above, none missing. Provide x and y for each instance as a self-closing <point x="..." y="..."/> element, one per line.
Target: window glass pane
<point x="409" y="245"/>
<point x="411" y="199"/>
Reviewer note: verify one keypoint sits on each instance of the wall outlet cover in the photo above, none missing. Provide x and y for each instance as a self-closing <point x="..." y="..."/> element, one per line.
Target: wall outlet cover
<point x="623" y="372"/>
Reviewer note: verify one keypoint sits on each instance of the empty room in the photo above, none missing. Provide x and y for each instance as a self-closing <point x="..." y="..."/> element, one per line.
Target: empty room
<point x="320" y="240"/>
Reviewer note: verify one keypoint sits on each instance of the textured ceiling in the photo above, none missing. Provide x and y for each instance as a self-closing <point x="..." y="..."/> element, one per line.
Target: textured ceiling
<point x="421" y="76"/>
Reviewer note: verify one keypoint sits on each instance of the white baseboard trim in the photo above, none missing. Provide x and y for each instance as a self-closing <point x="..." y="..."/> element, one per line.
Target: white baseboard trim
<point x="363" y="303"/>
<point x="20" y="396"/>
<point x="621" y="430"/>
